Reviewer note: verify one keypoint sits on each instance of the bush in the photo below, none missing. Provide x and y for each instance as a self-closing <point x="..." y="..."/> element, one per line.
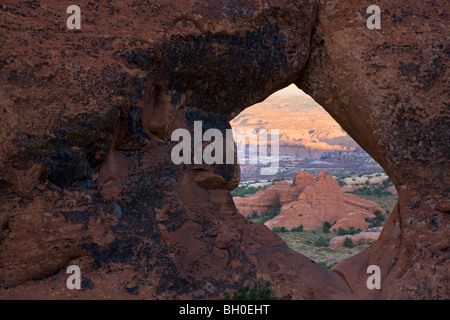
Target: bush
<point x="379" y="215"/>
<point x="272" y="213"/>
<point x="279" y="229"/>
<point x="255" y="214"/>
<point x="348" y="243"/>
<point x="350" y="231"/>
<point x="298" y="229"/>
<point x="378" y="221"/>
<point x="327" y="265"/>
<point x="321" y="242"/>
<point x="257" y="292"/>
<point x="326" y="227"/>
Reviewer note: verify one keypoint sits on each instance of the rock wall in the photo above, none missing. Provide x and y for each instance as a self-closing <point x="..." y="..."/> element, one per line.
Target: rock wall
<point x="387" y="90"/>
<point x="86" y="120"/>
<point x="262" y="201"/>
<point x="320" y="202"/>
<point x="86" y="172"/>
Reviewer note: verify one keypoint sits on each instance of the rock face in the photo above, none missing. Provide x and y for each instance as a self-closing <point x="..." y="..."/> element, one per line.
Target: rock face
<point x="386" y="89"/>
<point x="360" y="238"/>
<point x="86" y="175"/>
<point x="262" y="201"/>
<point x="324" y="201"/>
<point x="87" y="115"/>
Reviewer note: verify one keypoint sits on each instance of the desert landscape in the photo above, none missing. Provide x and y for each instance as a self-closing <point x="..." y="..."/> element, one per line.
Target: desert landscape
<point x="316" y="217"/>
<point x="309" y="138"/>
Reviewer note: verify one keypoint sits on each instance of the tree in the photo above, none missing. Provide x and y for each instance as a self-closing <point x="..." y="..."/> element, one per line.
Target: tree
<point x="326" y="227"/>
<point x="348" y="243"/>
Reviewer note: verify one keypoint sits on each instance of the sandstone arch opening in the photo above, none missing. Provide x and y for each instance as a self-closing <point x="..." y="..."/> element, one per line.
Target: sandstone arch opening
<point x="328" y="200"/>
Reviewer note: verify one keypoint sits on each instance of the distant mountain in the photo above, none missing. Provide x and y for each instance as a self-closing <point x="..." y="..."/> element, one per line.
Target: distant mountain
<point x="300" y="121"/>
<point x="310" y="139"/>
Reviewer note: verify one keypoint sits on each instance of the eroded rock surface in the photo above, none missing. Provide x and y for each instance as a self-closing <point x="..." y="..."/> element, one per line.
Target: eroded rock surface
<point x="86" y="172"/>
<point x="323" y="201"/>
<point x="262" y="201"/>
<point x="86" y="120"/>
<point x="388" y="89"/>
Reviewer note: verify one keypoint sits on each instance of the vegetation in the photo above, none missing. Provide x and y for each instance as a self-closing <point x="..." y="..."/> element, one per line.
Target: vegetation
<point x="371" y="190"/>
<point x="327" y="265"/>
<point x="326" y="227"/>
<point x="350" y="231"/>
<point x="378" y="221"/>
<point x="272" y="213"/>
<point x="244" y="191"/>
<point x="257" y="292"/>
<point x="304" y="242"/>
<point x="298" y="229"/>
<point x="279" y="230"/>
<point x="348" y="243"/>
<point x="321" y="242"/>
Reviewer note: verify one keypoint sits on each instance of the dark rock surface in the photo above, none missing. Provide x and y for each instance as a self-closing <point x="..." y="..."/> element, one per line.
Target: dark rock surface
<point x="86" y="118"/>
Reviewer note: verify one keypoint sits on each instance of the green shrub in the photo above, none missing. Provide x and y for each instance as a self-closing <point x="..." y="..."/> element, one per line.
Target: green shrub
<point x="321" y="242"/>
<point x="378" y="221"/>
<point x="255" y="214"/>
<point x="326" y="227"/>
<point x="272" y="213"/>
<point x="350" y="231"/>
<point x="379" y="215"/>
<point x="348" y="243"/>
<point x="279" y="229"/>
<point x="257" y="292"/>
<point x="327" y="265"/>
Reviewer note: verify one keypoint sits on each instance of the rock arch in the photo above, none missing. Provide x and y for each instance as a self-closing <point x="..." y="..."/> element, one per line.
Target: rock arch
<point x="86" y="175"/>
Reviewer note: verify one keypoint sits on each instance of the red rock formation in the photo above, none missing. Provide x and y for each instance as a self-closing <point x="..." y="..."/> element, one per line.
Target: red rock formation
<point x="354" y="220"/>
<point x="360" y="238"/>
<point x="262" y="201"/>
<point x="324" y="201"/>
<point x="110" y="95"/>
<point x="386" y="88"/>
<point x="86" y="175"/>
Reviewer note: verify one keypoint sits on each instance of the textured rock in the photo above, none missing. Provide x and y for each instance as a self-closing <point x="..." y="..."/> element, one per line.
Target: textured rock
<point x="324" y="201"/>
<point x="353" y="220"/>
<point x="86" y="120"/>
<point x="357" y="239"/>
<point x="263" y="200"/>
<point x="86" y="175"/>
<point x="303" y="179"/>
<point x="386" y="88"/>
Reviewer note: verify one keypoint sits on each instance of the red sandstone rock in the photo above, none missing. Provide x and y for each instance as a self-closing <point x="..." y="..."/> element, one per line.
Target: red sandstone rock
<point x="386" y="88"/>
<point x="357" y="239"/>
<point x="263" y="200"/>
<point x="71" y="100"/>
<point x="303" y="179"/>
<point x="354" y="220"/>
<point x="324" y="201"/>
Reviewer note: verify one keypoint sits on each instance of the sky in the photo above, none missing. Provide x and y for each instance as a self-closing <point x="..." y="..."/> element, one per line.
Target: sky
<point x="290" y="91"/>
